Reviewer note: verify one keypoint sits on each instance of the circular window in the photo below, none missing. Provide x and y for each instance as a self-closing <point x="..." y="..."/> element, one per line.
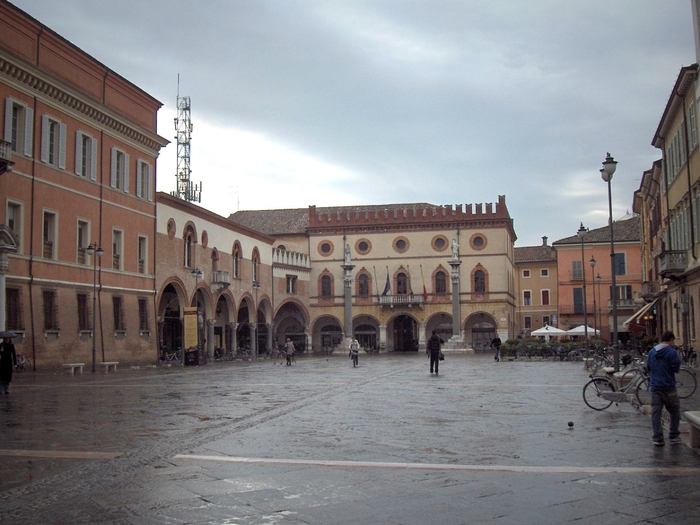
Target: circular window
<point x="401" y="244"/>
<point x="205" y="239"/>
<point x="363" y="246"/>
<point x="325" y="248"/>
<point x="171" y="229"/>
<point x="477" y="241"/>
<point x="439" y="243"/>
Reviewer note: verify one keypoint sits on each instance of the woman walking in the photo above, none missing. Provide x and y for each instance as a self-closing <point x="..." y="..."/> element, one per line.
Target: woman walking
<point x="8" y="360"/>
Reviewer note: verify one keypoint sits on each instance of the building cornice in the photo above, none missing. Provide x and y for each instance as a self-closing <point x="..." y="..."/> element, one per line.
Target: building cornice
<point x="41" y="83"/>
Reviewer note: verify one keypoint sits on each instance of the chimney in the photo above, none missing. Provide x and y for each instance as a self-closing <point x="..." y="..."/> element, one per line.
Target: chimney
<point x="544" y="240"/>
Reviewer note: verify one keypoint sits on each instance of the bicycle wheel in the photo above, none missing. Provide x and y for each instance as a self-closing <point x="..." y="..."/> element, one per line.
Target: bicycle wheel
<point x="643" y="394"/>
<point x="686" y="383"/>
<point x="574" y="355"/>
<point x="593" y="393"/>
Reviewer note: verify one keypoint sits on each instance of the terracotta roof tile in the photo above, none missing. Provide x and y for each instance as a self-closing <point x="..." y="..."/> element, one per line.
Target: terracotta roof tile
<point x="624" y="230"/>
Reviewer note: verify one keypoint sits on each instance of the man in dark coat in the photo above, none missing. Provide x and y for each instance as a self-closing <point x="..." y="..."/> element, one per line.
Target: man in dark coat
<point x="433" y="349"/>
<point x="8" y="360"/>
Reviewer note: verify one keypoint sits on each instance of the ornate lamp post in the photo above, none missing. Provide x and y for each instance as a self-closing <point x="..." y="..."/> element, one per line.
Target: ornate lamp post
<point x="581" y="232"/>
<point x="606" y="172"/>
<point x="595" y="318"/>
<point x="91" y="250"/>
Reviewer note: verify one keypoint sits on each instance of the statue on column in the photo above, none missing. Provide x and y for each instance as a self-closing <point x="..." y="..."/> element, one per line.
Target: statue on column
<point x="455" y="249"/>
<point x="347" y="254"/>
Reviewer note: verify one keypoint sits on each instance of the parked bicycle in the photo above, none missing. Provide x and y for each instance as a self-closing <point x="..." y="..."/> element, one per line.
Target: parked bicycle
<point x="689" y="356"/>
<point x="602" y="391"/>
<point x="170" y="355"/>
<point x="24" y="364"/>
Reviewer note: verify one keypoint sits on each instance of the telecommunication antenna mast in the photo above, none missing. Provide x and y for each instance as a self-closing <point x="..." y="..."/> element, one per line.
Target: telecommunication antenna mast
<point x="183" y="127"/>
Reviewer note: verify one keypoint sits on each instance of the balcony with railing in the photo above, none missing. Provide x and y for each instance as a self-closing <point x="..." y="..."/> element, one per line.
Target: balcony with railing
<point x="650" y="289"/>
<point x="407" y="300"/>
<point x="673" y="263"/>
<point x="220" y="277"/>
<point x="5" y="156"/>
<point x="290" y="259"/>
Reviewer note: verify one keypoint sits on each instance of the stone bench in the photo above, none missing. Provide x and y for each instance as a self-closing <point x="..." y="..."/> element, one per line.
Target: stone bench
<point x="72" y="367"/>
<point x="111" y="364"/>
<point x="693" y="419"/>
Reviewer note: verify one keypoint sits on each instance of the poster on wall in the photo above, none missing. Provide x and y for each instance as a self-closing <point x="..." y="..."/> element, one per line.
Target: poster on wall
<point x="190" y="318"/>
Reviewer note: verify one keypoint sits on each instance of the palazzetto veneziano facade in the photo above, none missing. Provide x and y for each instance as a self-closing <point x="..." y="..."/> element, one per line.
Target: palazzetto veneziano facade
<point x="390" y="274"/>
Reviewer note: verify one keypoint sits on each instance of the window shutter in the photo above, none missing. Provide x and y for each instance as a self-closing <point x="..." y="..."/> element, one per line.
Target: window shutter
<point x="44" y="138"/>
<point x="150" y="182"/>
<point x="9" y="106"/>
<point x="126" y="173"/>
<point x="62" y="132"/>
<point x="93" y="159"/>
<point x="28" y="131"/>
<point x="139" y="178"/>
<point x="78" y="153"/>
<point x="113" y="169"/>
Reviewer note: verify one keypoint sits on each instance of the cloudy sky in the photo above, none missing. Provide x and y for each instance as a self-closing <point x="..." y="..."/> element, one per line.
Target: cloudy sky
<point x="325" y="102"/>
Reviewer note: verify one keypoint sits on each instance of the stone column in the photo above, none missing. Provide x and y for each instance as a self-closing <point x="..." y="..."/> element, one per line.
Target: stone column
<point x="347" y="280"/>
<point x="234" y="338"/>
<point x="253" y="339"/>
<point x="210" y="337"/>
<point x="269" y="338"/>
<point x="456" y="312"/>
<point x="382" y="337"/>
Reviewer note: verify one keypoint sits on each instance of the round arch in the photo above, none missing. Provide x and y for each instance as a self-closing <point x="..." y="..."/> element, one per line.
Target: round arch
<point x="366" y="329"/>
<point x="291" y="320"/>
<point x="327" y="334"/>
<point x="402" y="333"/>
<point x="479" y="330"/>
<point x="441" y="322"/>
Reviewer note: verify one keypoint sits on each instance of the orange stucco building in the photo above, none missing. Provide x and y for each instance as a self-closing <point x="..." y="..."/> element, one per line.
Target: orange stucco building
<point x="576" y="275"/>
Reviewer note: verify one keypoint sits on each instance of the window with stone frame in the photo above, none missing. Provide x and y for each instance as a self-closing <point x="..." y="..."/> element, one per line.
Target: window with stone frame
<point x="14" y="319"/>
<point x="326" y="290"/>
<point x="50" y="306"/>
<point x="118" y="311"/>
<point x="440" y="283"/>
<point x="83" y="312"/>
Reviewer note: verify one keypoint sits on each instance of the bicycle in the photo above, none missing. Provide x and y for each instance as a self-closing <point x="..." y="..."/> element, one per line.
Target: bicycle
<point x="170" y="355"/>
<point x="689" y="356"/>
<point x="23" y="363"/>
<point x="601" y="392"/>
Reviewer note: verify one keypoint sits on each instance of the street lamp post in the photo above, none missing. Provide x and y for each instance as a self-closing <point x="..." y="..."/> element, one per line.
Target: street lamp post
<point x="606" y="172"/>
<point x="254" y="337"/>
<point x="600" y="312"/>
<point x="595" y="318"/>
<point x="91" y="250"/>
<point x="581" y="232"/>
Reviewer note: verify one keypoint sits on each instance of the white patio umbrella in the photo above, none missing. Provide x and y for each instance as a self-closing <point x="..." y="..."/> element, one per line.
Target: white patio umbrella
<point x="548" y="331"/>
<point x="581" y="330"/>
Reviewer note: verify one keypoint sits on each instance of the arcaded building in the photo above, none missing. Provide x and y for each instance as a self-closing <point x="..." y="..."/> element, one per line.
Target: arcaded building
<point x="79" y="201"/>
<point x="390" y="274"/>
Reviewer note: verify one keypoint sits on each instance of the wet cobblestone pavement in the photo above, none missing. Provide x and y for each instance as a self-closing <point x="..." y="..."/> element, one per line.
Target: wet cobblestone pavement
<point x="322" y="442"/>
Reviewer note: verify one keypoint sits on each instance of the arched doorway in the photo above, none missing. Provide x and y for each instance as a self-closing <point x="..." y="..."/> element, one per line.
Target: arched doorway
<point x="405" y="334"/>
<point x="290" y="321"/>
<point x="170" y="340"/>
<point x="327" y="334"/>
<point x="481" y="328"/>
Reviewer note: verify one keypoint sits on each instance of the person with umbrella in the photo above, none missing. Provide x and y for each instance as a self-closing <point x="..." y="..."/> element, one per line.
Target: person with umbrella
<point x="8" y="360"/>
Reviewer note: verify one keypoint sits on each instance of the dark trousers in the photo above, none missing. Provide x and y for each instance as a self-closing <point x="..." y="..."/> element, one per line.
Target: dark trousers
<point x="670" y="400"/>
<point x="434" y="362"/>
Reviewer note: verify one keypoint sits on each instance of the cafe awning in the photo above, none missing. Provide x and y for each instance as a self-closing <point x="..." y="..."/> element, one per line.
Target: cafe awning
<point x="637" y="319"/>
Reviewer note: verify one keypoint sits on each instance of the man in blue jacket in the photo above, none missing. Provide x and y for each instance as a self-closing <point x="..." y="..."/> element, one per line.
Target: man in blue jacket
<point x="663" y="363"/>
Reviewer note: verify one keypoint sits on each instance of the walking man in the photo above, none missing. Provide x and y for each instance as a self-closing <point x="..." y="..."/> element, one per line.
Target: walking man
<point x="433" y="349"/>
<point x="663" y="363"/>
<point x="496" y="345"/>
<point x="289" y="351"/>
